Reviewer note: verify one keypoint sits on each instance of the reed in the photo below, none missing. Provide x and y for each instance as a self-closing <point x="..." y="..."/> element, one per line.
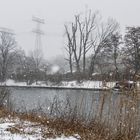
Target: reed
<point x="112" y="117"/>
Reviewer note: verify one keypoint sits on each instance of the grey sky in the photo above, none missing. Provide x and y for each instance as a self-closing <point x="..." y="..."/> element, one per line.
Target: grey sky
<point x="17" y="15"/>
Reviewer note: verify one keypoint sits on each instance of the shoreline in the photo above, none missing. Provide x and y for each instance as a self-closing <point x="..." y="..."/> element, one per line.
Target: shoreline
<point x="58" y="87"/>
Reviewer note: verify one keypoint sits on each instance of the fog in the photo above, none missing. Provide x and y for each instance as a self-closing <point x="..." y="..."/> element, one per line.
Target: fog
<point x="17" y="15"/>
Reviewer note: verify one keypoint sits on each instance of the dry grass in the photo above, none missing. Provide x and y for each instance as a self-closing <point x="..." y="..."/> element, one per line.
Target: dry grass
<point x="120" y="121"/>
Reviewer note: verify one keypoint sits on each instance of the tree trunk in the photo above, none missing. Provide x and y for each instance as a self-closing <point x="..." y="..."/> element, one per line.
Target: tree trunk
<point x="70" y="65"/>
<point x="84" y="61"/>
<point x="92" y="66"/>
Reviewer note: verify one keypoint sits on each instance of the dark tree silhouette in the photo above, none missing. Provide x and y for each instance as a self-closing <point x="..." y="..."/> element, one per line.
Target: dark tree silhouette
<point x="7" y="53"/>
<point x="132" y="49"/>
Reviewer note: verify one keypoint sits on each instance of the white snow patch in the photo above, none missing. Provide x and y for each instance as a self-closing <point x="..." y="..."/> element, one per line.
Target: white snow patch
<point x="63" y="138"/>
<point x="11" y="82"/>
<point x="66" y="84"/>
<point x="6" y="135"/>
<point x="88" y="84"/>
<point x="27" y="127"/>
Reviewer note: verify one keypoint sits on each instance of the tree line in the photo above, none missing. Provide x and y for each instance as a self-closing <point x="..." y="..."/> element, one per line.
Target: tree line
<point x="94" y="45"/>
<point x="94" y="48"/>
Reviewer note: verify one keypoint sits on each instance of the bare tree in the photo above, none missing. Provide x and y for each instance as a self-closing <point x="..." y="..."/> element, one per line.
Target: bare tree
<point x="116" y="40"/>
<point x="86" y="28"/>
<point x="69" y="50"/>
<point x="111" y="52"/>
<point x="132" y="49"/>
<point x="79" y="42"/>
<point x="7" y="53"/>
<point x="27" y="68"/>
<point x="30" y="68"/>
<point x="76" y="46"/>
<point x="100" y="40"/>
<point x="36" y="58"/>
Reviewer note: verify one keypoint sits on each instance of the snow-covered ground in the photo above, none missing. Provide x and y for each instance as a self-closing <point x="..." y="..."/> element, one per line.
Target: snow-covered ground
<point x="23" y="130"/>
<point x="89" y="84"/>
<point x="69" y="84"/>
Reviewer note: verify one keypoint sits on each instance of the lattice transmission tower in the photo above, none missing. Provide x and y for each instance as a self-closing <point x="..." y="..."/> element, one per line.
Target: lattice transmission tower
<point x="38" y="32"/>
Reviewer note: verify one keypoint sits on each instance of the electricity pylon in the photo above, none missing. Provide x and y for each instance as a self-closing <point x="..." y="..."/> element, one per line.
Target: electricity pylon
<point x="38" y="32"/>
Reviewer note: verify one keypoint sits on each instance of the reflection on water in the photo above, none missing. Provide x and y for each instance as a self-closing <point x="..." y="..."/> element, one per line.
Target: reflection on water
<point x="56" y="102"/>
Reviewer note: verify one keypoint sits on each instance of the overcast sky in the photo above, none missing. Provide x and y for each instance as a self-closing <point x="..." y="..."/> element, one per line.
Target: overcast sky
<point x="17" y="15"/>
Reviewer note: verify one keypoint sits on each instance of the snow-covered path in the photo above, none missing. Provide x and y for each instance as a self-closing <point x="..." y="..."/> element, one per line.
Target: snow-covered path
<point x="28" y="131"/>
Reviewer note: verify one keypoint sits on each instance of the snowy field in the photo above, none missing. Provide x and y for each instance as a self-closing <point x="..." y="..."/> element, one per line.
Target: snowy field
<point x="14" y="129"/>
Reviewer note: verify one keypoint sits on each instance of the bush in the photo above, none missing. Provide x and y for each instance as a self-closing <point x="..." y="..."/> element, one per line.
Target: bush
<point x="4" y="95"/>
